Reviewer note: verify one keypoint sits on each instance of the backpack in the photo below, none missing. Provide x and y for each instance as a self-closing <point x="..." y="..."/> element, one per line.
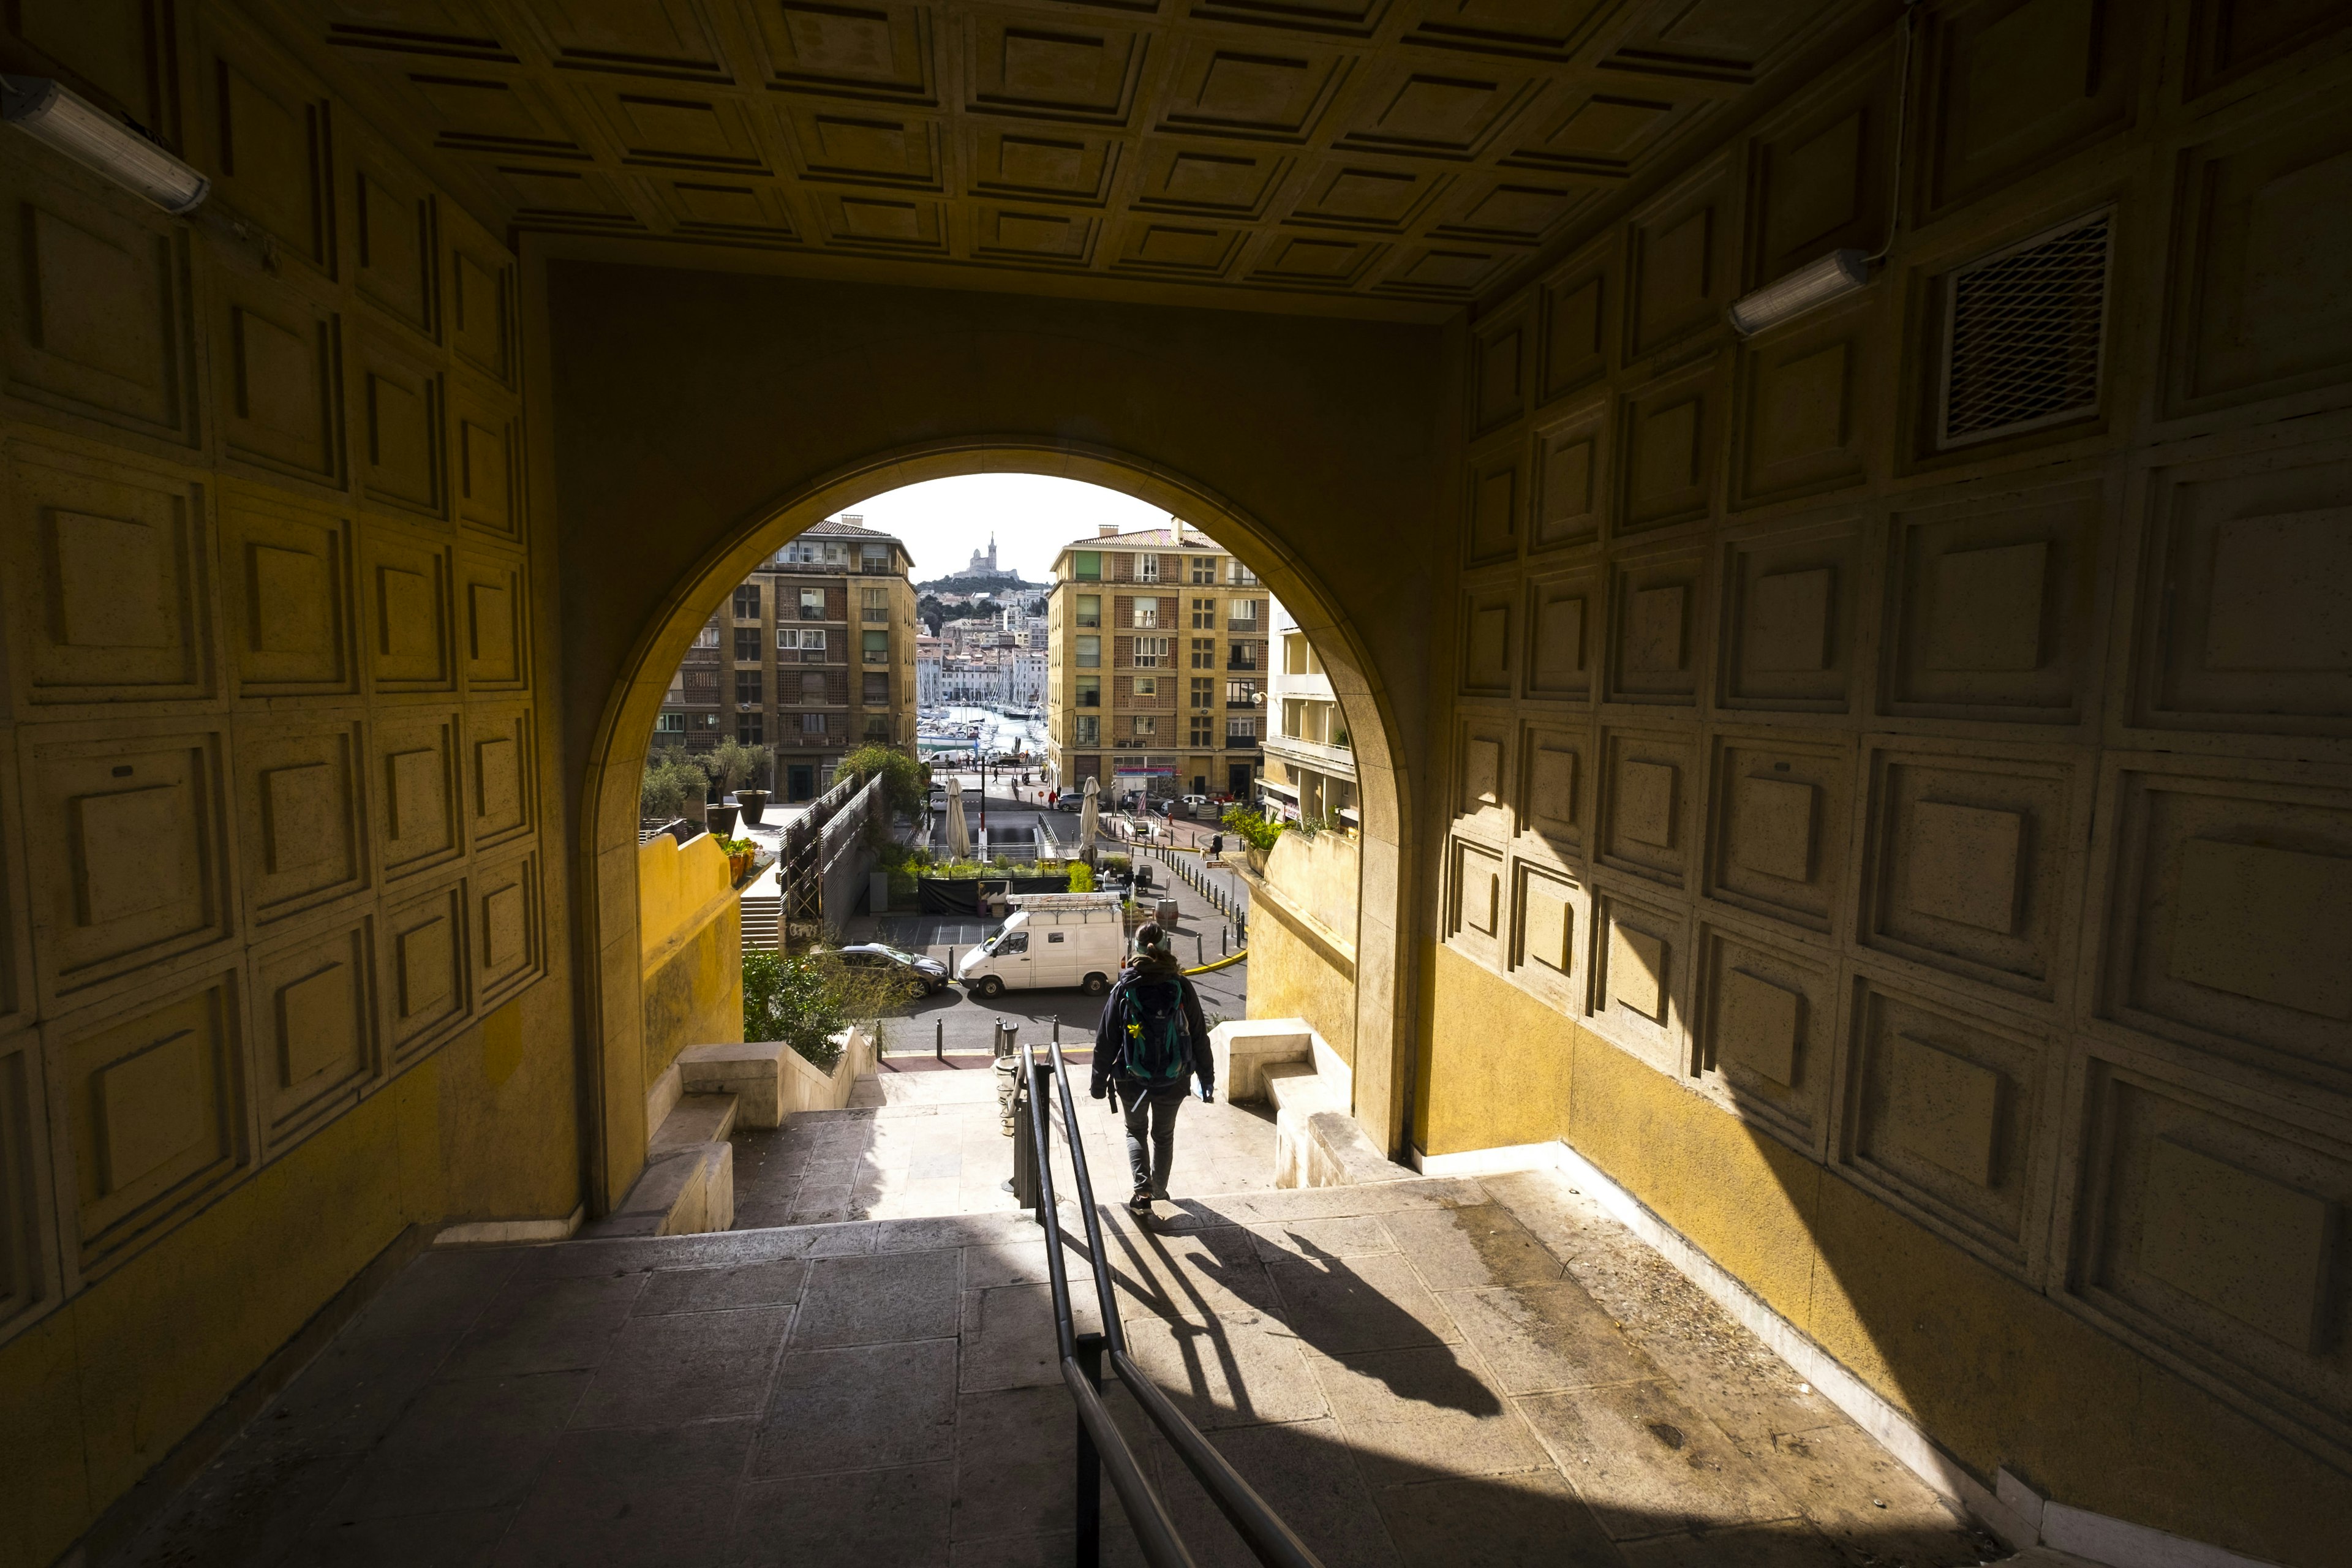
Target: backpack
<point x="1158" y="1048"/>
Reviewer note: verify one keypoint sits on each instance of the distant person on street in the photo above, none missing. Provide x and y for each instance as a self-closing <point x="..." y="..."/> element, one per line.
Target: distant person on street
<point x="1153" y="1036"/>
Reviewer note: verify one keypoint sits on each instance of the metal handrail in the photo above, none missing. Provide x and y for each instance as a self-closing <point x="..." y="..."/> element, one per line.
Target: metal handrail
<point x="1270" y="1540"/>
<point x="1101" y="1444"/>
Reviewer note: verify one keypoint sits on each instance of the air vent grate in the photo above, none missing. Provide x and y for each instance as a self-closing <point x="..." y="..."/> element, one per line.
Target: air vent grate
<point x="2024" y="332"/>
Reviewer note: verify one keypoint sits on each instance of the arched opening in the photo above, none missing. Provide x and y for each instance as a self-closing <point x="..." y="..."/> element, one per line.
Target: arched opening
<point x="614" y="1020"/>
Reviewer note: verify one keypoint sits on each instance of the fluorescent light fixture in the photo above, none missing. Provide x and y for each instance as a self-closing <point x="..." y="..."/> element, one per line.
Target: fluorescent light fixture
<point x="1839" y="273"/>
<point x="52" y="112"/>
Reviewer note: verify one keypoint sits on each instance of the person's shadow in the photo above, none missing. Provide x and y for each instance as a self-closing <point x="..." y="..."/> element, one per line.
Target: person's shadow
<point x="1336" y="1311"/>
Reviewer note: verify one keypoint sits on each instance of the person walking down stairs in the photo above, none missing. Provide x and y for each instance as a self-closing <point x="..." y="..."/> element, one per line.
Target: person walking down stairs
<point x="1153" y="1036"/>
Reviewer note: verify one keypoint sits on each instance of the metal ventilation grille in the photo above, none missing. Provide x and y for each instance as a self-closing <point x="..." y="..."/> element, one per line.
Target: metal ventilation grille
<point x="2024" y="332"/>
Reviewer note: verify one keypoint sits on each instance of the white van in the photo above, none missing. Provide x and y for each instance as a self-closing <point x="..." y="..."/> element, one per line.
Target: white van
<point x="1050" y="940"/>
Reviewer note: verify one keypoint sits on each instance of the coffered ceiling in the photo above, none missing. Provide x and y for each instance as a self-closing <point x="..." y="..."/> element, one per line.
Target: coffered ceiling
<point x="1366" y="150"/>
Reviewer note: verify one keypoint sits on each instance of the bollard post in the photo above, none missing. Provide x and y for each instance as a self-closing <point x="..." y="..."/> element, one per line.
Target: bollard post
<point x="1223" y="934"/>
<point x="940" y="1038"/>
<point x="1196" y="948"/>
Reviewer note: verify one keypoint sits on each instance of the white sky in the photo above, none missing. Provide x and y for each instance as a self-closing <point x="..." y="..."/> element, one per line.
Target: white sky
<point x="941" y="523"/>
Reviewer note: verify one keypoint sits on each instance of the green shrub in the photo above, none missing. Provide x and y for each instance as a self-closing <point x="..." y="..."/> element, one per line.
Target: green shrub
<point x="1251" y="829"/>
<point x="734" y="765"/>
<point x="804" y="999"/>
<point x="1082" y="877"/>
<point x="904" y="790"/>
<point x="672" y="779"/>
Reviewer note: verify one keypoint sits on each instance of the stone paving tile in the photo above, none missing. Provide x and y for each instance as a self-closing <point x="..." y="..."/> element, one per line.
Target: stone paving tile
<point x="687" y="1366"/>
<point x="1014" y="1552"/>
<point x="1787" y="1543"/>
<point x="1351" y="1236"/>
<point x="544" y="1325"/>
<point x="461" y="1538"/>
<point x="1748" y="1389"/>
<point x="1495" y="1522"/>
<point x="1305" y="1472"/>
<point x="1015" y="1450"/>
<point x="860" y="1520"/>
<point x="1194" y="1275"/>
<point x="1464" y="1247"/>
<point x="1341" y="1305"/>
<point x="1239" y="1371"/>
<point x="929" y="1234"/>
<point x="247" y="1507"/>
<point x="1645" y="1462"/>
<point x="777" y="1283"/>
<point x="346" y="1399"/>
<point x="833" y="1204"/>
<point x="626" y="1496"/>
<point x="1009" y="1339"/>
<point x="1422" y="1415"/>
<point x="867" y="1406"/>
<point x="872" y="1301"/>
<point x="438" y="1295"/>
<point x="1019" y="1262"/>
<point x="1856" y="1494"/>
<point x="1540" y="1338"/>
<point x="474" y="1443"/>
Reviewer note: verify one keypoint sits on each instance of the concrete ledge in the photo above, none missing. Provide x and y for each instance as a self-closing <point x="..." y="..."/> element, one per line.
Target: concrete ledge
<point x="696" y="1119"/>
<point x="682" y="1194"/>
<point x="1242" y="1050"/>
<point x="751" y="1071"/>
<point x="1316" y="1143"/>
<point x="1490" y="1162"/>
<point x="505" y="1232"/>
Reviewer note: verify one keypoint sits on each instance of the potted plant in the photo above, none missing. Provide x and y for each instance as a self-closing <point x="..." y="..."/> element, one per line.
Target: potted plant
<point x="732" y="765"/>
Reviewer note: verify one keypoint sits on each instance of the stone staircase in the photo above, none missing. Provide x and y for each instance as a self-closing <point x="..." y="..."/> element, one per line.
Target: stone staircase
<point x="760" y="917"/>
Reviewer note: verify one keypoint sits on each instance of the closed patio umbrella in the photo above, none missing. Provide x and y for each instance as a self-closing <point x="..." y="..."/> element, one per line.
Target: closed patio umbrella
<point x="1089" y="822"/>
<point x="959" y="836"/>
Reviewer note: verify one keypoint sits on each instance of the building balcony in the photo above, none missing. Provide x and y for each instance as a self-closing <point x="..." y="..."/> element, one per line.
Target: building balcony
<point x="1337" y="761"/>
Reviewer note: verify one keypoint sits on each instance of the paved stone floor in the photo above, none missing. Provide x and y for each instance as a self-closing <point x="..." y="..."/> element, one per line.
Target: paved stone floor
<point x="1442" y="1372"/>
<point x="928" y="1141"/>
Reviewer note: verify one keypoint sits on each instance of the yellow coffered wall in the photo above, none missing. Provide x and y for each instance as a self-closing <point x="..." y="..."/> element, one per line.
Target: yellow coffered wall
<point x="1925" y="876"/>
<point x="273" y="983"/>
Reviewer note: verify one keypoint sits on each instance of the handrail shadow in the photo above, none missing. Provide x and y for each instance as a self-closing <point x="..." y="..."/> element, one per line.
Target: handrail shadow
<point x="1101" y="1446"/>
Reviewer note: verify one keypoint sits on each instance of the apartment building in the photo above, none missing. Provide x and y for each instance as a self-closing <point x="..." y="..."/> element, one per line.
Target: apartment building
<point x="928" y="670"/>
<point x="1156" y="664"/>
<point x="812" y="655"/>
<point x="1310" y="767"/>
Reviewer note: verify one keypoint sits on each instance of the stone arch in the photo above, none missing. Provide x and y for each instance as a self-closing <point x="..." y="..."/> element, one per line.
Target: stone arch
<point x="605" y="839"/>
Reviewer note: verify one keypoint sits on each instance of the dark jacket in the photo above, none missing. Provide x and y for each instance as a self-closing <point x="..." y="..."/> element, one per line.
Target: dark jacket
<point x="1110" y="1039"/>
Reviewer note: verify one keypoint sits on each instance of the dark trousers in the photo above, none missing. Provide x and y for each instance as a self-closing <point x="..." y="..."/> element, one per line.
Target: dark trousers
<point x="1151" y="1115"/>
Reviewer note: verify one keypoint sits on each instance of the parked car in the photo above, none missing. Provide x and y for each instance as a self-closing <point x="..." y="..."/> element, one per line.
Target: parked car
<point x="1070" y="800"/>
<point x="927" y="973"/>
<point x="1198" y="808"/>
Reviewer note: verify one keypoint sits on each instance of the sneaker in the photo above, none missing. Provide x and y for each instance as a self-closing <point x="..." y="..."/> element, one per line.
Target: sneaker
<point x="1140" y="1203"/>
<point x="1160" y="1195"/>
